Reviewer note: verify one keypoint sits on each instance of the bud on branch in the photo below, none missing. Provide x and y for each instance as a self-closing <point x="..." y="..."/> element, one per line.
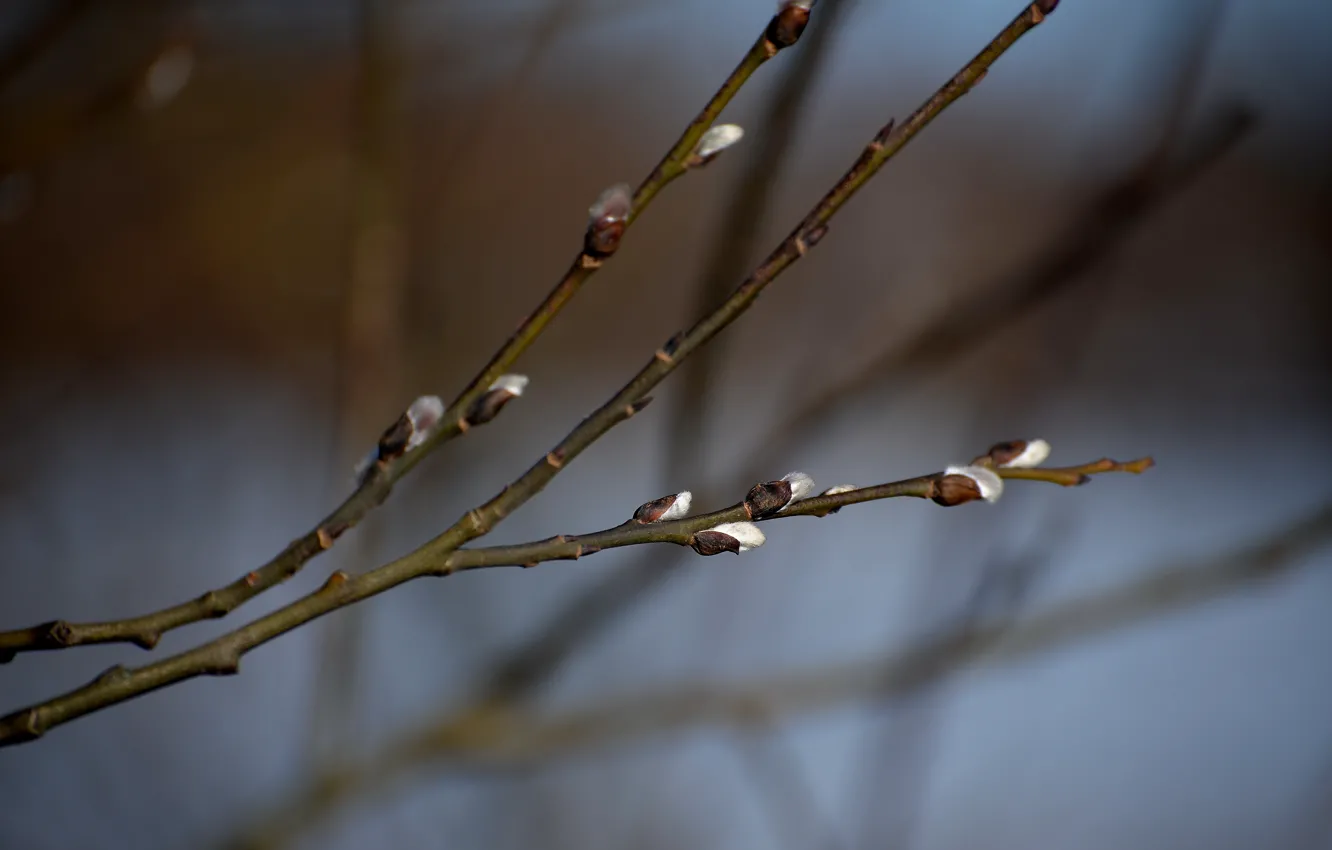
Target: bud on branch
<point x="665" y="508"/>
<point x="713" y="142"/>
<point x="607" y="219"/>
<point x="961" y="484"/>
<point x="728" y="537"/>
<point x="504" y="390"/>
<point x="764" y="500"/>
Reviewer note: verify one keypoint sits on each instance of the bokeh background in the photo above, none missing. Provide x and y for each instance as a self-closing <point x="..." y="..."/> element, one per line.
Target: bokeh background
<point x="237" y="238"/>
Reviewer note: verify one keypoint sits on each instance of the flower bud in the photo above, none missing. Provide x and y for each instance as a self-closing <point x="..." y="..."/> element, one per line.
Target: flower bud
<point x="714" y="141"/>
<point x="410" y="430"/>
<point x="1019" y="454"/>
<point x="786" y="26"/>
<point x="728" y="537"/>
<point x="423" y="416"/>
<point x="667" y="507"/>
<point x="834" y="490"/>
<point x="505" y="389"/>
<point x="607" y="219"/>
<point x="961" y="484"/>
<point x="770" y="497"/>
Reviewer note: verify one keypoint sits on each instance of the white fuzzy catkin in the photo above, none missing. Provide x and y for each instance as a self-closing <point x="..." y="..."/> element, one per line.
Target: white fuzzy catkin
<point x="679" y="508"/>
<point x="424" y="414"/>
<point x="718" y="139"/>
<point x="802" y="485"/>
<point x="1033" y="455"/>
<point x="747" y="534"/>
<point x="511" y="384"/>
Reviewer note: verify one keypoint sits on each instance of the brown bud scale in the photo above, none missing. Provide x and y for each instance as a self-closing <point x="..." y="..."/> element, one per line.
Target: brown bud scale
<point x="787" y="25"/>
<point x="652" y="511"/>
<point x="714" y="543"/>
<point x="766" y="499"/>
<point x="953" y="490"/>
<point x="488" y="406"/>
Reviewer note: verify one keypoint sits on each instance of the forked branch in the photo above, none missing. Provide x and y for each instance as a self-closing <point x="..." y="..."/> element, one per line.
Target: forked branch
<point x="977" y="480"/>
<point x="391" y="461"/>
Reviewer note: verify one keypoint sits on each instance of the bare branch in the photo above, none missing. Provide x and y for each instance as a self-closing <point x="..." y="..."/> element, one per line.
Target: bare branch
<point x="477" y="404"/>
<point x="222" y="656"/>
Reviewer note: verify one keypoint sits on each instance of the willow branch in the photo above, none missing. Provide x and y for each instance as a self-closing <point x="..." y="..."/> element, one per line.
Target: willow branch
<point x="495" y="736"/>
<point x="222" y="656"/>
<point x="374" y="487"/>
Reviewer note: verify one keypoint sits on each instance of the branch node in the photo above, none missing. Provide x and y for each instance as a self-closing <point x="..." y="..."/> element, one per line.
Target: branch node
<point x="212" y="604"/>
<point x="663" y="356"/>
<point x="335" y="580"/>
<point x="462" y="424"/>
<point x="60" y="632"/>
<point x="555" y="459"/>
<point x="111" y="674"/>
<point x="478" y="521"/>
<point x="325" y="539"/>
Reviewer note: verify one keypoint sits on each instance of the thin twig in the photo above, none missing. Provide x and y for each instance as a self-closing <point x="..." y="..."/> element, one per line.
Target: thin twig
<point x="222" y="655"/>
<point x="145" y="631"/>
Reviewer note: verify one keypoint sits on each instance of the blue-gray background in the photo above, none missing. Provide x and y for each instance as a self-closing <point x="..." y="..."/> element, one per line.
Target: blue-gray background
<point x="1134" y="663"/>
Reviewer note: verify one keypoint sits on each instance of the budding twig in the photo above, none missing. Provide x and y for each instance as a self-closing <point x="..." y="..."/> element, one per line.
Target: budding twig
<point x="222" y="656"/>
<point x="728" y="530"/>
<point x="376" y="480"/>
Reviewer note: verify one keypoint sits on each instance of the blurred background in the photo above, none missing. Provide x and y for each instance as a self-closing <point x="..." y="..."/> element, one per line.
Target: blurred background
<point x="237" y="238"/>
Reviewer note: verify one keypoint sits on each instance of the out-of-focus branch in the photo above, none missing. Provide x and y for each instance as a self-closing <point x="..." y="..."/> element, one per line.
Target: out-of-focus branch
<point x="386" y="468"/>
<point x="369" y="366"/>
<point x="504" y="736"/>
<point x="1102" y="228"/>
<point x="54" y="21"/>
<point x="222" y="656"/>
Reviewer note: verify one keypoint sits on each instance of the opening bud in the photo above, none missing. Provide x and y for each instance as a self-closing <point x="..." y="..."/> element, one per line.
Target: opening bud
<point x="728" y="537"/>
<point x="835" y="489"/>
<point x="961" y="484"/>
<point x="667" y="507"/>
<point x="790" y="21"/>
<point x="714" y="141"/>
<point x="607" y="219"/>
<point x="505" y="389"/>
<point x="423" y="416"/>
<point x="1018" y="453"/>
<point x="768" y="498"/>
